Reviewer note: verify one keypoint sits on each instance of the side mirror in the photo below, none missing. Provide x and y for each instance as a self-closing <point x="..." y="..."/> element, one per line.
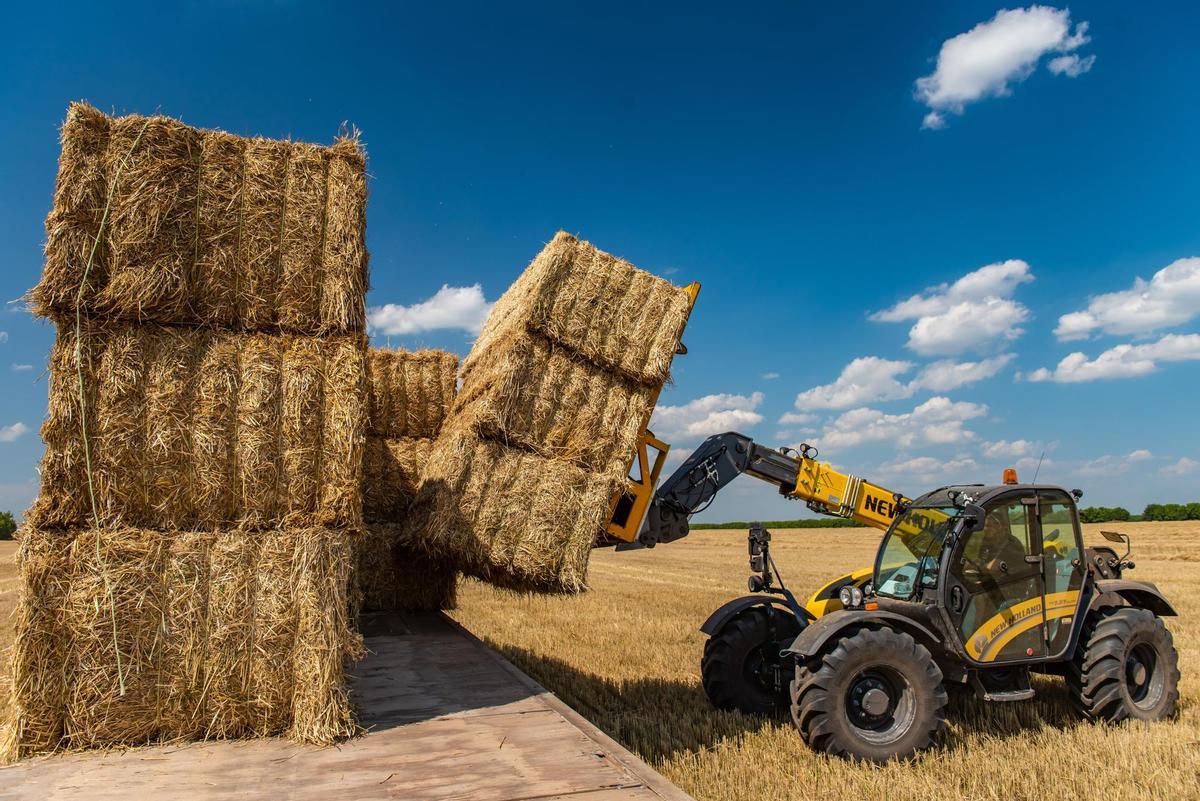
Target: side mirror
<point x="1076" y="494"/>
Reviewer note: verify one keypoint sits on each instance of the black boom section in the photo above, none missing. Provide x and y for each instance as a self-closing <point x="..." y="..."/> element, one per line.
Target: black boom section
<point x="720" y="459"/>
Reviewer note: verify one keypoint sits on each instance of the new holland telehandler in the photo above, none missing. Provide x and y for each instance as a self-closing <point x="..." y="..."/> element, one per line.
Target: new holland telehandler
<point x="974" y="585"/>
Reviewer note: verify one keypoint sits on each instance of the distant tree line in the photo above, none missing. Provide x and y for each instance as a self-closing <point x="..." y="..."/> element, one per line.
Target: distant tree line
<point x="1154" y="511"/>
<point x="834" y="522"/>
<point x="7" y="525"/>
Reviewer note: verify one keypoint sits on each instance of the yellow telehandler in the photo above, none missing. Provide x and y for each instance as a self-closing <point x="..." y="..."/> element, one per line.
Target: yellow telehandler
<point x="973" y="585"/>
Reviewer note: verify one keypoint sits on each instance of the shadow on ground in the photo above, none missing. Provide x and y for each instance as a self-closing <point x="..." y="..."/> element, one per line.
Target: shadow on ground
<point x="658" y="718"/>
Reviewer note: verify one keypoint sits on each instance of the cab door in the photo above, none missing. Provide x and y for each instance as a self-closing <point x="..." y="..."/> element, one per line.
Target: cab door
<point x="1062" y="568"/>
<point x="996" y="584"/>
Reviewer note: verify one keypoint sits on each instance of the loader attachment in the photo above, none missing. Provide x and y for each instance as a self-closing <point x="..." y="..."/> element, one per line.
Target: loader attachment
<point x="628" y="507"/>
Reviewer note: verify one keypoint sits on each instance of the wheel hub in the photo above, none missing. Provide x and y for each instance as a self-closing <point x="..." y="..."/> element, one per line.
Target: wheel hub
<point x="1140" y="666"/>
<point x="875" y="702"/>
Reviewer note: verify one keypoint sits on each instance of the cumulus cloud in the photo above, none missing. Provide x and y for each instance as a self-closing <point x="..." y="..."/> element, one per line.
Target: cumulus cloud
<point x="945" y="375"/>
<point x="451" y="307"/>
<point x="1122" y="361"/>
<point x="988" y="59"/>
<point x="711" y="414"/>
<point x="926" y="469"/>
<point x="12" y="432"/>
<point x="1183" y="467"/>
<point x="937" y="421"/>
<point x="1008" y="449"/>
<point x="973" y="312"/>
<point x="870" y="379"/>
<point x="1109" y="465"/>
<point x="796" y="419"/>
<point x="1170" y="297"/>
<point x="1072" y="66"/>
<point x="864" y="380"/>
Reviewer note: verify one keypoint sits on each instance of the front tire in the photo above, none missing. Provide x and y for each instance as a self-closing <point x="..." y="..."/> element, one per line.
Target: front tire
<point x="873" y="695"/>
<point x="1125" y="667"/>
<point x="742" y="669"/>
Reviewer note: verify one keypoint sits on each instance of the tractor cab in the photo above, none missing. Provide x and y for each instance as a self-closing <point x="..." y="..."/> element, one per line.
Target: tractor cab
<point x="999" y="566"/>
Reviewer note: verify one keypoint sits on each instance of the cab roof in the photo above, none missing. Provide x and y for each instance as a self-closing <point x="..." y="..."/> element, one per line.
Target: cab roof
<point x="980" y="493"/>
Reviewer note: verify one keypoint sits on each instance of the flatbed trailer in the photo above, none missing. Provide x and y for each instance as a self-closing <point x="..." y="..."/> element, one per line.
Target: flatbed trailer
<point x="446" y="716"/>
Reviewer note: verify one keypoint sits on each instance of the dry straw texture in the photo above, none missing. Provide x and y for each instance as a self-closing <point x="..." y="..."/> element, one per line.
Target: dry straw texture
<point x="206" y="430"/>
<point x="410" y="392"/>
<point x="391" y="475"/>
<point x="508" y="516"/>
<point x="206" y="228"/>
<point x="554" y="394"/>
<point x="389" y="575"/>
<point x="219" y="635"/>
<point x="621" y="318"/>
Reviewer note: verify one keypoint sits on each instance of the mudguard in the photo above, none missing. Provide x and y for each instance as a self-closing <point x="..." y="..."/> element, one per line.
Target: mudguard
<point x="1141" y="594"/>
<point x="731" y="609"/>
<point x="814" y="637"/>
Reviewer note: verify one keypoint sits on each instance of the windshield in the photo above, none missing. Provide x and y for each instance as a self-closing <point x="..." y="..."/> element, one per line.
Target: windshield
<point x="908" y="557"/>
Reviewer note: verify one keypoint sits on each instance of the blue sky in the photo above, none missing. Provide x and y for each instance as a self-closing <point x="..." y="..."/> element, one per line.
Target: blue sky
<point x="828" y="172"/>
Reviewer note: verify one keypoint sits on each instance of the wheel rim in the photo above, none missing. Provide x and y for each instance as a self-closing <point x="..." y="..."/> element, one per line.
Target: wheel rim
<point x="880" y="704"/>
<point x="760" y="671"/>
<point x="1143" y="676"/>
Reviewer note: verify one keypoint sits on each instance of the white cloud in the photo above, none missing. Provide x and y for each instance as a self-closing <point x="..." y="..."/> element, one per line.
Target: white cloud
<point x="945" y="375"/>
<point x="712" y="414"/>
<point x="1122" y="361"/>
<point x="20" y="368"/>
<point x="1183" y="467"/>
<point x="1033" y="463"/>
<point x="1072" y="66"/>
<point x="10" y="433"/>
<point x="1170" y="297"/>
<point x="770" y="376"/>
<point x="796" y="419"/>
<point x="937" y="421"/>
<point x="1008" y="449"/>
<point x="870" y="379"/>
<point x="452" y="307"/>
<point x="986" y="60"/>
<point x="1109" y="465"/>
<point x="973" y="312"/>
<point x="3" y="336"/>
<point x="926" y="469"/>
<point x="864" y="380"/>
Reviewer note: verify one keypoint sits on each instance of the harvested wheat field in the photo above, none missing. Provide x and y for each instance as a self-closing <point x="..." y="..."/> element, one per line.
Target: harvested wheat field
<point x="626" y="655"/>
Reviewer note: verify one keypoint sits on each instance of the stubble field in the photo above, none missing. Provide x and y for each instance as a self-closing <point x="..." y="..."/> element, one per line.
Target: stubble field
<point x="627" y="655"/>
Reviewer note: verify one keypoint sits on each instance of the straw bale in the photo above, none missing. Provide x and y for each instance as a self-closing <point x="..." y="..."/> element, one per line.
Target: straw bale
<point x="40" y="668"/>
<point x="199" y="429"/>
<point x="391" y="475"/>
<point x="509" y="516"/>
<point x="621" y="318"/>
<point x="205" y="228"/>
<point x="217" y="273"/>
<point x="389" y="575"/>
<point x="411" y="392"/>
<point x="544" y="397"/>
<point x="219" y="635"/>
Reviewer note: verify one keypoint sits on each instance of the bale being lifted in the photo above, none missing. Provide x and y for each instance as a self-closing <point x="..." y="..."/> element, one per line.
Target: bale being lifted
<point x="554" y="395"/>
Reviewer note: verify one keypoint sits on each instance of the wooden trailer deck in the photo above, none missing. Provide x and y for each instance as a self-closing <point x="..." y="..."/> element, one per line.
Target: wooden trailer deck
<point x="448" y="718"/>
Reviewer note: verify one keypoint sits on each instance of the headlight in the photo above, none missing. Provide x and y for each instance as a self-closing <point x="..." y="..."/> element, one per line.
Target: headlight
<point x="850" y="597"/>
<point x="856" y="596"/>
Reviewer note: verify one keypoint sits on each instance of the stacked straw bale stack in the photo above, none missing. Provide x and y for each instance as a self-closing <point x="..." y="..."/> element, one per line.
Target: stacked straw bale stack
<point x="410" y="394"/>
<point x="184" y="571"/>
<point x="554" y="395"/>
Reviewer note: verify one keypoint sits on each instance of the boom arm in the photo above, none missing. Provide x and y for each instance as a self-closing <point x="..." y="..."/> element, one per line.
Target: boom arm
<point x="723" y="457"/>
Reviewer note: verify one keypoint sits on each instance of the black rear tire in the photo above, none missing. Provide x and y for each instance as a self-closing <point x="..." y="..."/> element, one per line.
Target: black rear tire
<point x="1125" y="667"/>
<point x="873" y="694"/>
<point x="742" y="669"/>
